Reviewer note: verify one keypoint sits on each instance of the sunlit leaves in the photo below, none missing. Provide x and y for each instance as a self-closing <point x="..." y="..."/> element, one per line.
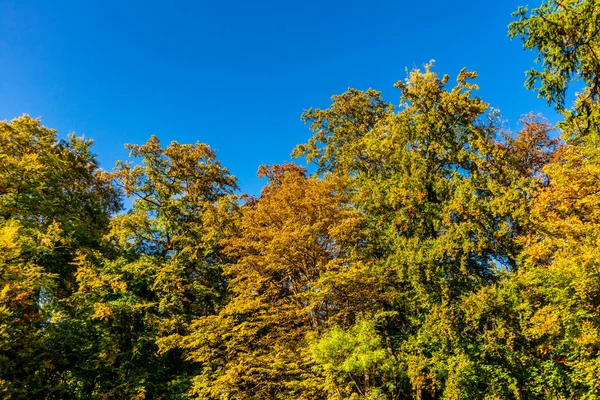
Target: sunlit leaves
<point x="566" y="37"/>
<point x="297" y="232"/>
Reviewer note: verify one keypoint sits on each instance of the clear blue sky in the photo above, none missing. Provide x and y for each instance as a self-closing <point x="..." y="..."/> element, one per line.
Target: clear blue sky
<point x="238" y="74"/>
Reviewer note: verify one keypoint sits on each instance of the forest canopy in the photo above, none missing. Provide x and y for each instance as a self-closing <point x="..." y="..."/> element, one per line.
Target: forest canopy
<point x="432" y="253"/>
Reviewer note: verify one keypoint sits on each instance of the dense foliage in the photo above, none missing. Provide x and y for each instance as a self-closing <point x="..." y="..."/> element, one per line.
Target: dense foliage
<point x="432" y="254"/>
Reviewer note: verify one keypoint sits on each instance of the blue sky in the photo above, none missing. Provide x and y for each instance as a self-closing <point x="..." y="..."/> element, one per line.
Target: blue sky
<point x="238" y="74"/>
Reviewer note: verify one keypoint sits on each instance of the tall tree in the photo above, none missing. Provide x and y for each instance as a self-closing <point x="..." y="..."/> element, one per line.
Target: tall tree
<point x="166" y="270"/>
<point x="54" y="202"/>
<point x="289" y="245"/>
<point x="443" y="191"/>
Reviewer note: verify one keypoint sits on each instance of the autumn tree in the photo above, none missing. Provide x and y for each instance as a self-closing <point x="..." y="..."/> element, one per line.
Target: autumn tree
<point x="290" y="245"/>
<point x="166" y="269"/>
<point x="54" y="202"/>
<point x="445" y="192"/>
<point x="554" y="299"/>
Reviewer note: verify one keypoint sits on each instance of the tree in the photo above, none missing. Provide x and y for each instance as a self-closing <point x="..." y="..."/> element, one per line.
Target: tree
<point x="289" y="245"/>
<point x="445" y="193"/>
<point x="338" y="130"/>
<point x="537" y="331"/>
<point x="165" y="271"/>
<point x="54" y="202"/>
<point x="566" y="36"/>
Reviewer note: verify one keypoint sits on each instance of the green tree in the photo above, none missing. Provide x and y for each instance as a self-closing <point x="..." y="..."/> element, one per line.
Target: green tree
<point x="54" y="202"/>
<point x="353" y="361"/>
<point x="444" y="191"/>
<point x="537" y="330"/>
<point x="566" y="37"/>
<point x="165" y="272"/>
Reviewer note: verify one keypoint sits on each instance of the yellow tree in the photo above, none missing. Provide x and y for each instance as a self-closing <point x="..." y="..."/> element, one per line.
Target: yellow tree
<point x="560" y="281"/>
<point x="290" y="246"/>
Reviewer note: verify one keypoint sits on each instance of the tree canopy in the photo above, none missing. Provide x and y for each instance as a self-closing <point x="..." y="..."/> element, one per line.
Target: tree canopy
<point x="432" y="254"/>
